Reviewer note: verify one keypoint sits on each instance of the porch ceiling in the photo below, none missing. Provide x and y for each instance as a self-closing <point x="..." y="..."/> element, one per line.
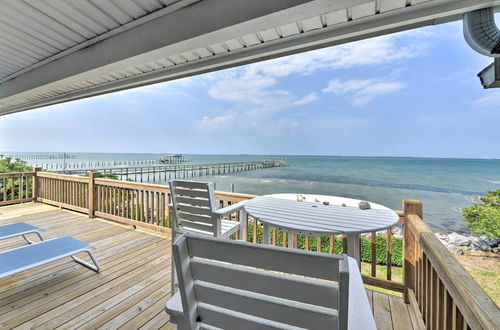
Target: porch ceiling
<point x="60" y="50"/>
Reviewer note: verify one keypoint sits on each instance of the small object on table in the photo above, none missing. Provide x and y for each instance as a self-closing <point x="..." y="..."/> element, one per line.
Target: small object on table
<point x="300" y="198"/>
<point x="343" y="204"/>
<point x="326" y="203"/>
<point x="364" y="205"/>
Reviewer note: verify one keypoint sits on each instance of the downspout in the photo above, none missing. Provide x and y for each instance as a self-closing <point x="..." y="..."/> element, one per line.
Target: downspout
<point x="481" y="32"/>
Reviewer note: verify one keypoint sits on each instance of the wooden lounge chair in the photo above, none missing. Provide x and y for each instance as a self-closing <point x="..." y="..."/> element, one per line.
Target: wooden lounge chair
<point x="236" y="285"/>
<point x="194" y="209"/>
<point x="31" y="256"/>
<point x="20" y="229"/>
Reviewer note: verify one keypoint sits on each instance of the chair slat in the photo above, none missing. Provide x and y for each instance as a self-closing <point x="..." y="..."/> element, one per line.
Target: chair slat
<point x="196" y="226"/>
<point x="272" y="308"/>
<point x="194" y="209"/>
<point x="190" y="184"/>
<point x="226" y="319"/>
<point x="192" y="193"/>
<point x="321" y="293"/>
<point x="195" y="218"/>
<point x="297" y="262"/>
<point x="193" y="201"/>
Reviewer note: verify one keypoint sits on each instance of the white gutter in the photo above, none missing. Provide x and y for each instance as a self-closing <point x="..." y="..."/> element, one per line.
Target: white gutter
<point x="481" y="32"/>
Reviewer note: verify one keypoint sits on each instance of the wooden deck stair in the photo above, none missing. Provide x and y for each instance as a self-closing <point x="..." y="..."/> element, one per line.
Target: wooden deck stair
<point x="132" y="288"/>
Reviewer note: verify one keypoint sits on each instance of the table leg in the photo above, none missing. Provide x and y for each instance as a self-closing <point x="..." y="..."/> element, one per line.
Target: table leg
<point x="243" y="225"/>
<point x="267" y="234"/>
<point x="290" y="240"/>
<point x="353" y="247"/>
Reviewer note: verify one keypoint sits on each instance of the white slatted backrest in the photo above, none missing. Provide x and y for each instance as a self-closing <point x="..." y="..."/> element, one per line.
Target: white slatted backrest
<point x="254" y="286"/>
<point x="193" y="205"/>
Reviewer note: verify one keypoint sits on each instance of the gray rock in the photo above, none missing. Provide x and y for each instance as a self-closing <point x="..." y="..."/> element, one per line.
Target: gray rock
<point x="492" y="242"/>
<point x="458" y="240"/>
<point x="442" y="237"/>
<point x="364" y="205"/>
<point x="454" y="249"/>
<point x="397" y="232"/>
<point x="481" y="245"/>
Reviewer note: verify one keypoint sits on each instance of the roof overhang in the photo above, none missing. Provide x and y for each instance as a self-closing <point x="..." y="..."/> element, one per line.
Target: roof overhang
<point x="174" y="39"/>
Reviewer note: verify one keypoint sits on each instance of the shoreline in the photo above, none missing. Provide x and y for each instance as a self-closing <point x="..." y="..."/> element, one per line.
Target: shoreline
<point x="455" y="242"/>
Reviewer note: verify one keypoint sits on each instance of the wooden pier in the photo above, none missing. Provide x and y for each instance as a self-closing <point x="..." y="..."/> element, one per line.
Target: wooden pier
<point x="92" y="165"/>
<point x="162" y="173"/>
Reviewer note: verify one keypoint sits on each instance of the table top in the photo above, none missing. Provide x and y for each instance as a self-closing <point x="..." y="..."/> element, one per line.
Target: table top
<point x="312" y="217"/>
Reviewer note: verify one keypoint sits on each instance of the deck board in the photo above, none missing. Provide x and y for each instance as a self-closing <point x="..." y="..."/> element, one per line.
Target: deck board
<point x="132" y="287"/>
<point x="131" y="290"/>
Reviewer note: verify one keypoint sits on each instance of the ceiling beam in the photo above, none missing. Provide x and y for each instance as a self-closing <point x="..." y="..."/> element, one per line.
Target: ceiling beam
<point x="197" y="25"/>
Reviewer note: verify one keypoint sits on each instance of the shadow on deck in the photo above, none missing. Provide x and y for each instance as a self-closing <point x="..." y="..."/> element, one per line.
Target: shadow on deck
<point x="129" y="293"/>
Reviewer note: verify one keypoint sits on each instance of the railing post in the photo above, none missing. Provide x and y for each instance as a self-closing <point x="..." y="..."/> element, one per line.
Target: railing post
<point x="92" y="196"/>
<point x="35" y="183"/>
<point x="410" y="246"/>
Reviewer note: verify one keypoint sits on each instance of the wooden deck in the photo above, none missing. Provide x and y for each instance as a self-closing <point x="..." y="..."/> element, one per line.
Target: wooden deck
<point x="131" y="290"/>
<point x="129" y="293"/>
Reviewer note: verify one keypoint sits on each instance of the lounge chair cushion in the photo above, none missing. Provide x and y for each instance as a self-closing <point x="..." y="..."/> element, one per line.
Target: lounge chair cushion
<point x="30" y="256"/>
<point x="16" y="229"/>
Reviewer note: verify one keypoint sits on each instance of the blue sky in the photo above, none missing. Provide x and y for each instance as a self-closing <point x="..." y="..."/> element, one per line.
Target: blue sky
<point x="409" y="94"/>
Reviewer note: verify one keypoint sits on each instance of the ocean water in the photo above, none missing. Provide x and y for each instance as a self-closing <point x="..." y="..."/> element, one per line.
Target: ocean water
<point x="443" y="185"/>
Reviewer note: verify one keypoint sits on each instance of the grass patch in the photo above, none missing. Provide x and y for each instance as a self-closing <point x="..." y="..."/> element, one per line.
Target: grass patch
<point x="485" y="269"/>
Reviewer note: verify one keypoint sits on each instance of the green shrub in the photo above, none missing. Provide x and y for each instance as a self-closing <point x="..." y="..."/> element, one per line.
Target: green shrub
<point x="366" y="252"/>
<point x="484" y="218"/>
<point x="7" y="165"/>
<point x="112" y="176"/>
<point x="9" y="189"/>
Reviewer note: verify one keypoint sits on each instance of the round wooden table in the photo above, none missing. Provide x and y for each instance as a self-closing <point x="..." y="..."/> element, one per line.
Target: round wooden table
<point x="318" y="215"/>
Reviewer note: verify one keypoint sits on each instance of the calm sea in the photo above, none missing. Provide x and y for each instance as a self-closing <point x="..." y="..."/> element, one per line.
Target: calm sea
<point x="443" y="185"/>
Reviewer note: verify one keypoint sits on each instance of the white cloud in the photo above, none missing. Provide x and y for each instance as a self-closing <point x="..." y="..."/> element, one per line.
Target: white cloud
<point x="256" y="83"/>
<point x="490" y="100"/>
<point x="362" y="91"/>
<point x="217" y="123"/>
<point x="249" y="88"/>
<point x="257" y="92"/>
<point x="311" y="97"/>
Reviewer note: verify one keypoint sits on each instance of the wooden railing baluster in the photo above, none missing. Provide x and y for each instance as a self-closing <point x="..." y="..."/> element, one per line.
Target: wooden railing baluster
<point x="389" y="254"/>
<point x="374" y="254"/>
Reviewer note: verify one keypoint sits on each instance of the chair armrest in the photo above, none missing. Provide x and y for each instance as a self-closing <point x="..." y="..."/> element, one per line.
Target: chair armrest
<point x="360" y="314"/>
<point x="230" y="209"/>
<point x="173" y="307"/>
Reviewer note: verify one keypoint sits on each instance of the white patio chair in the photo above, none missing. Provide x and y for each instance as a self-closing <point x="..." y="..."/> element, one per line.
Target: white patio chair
<point x="194" y="209"/>
<point x="237" y="285"/>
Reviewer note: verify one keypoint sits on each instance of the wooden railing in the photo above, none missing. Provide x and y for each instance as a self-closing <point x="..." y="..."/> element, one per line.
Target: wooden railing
<point x="446" y="294"/>
<point x="61" y="190"/>
<point x="16" y="187"/>
<point x="138" y="204"/>
<point x="433" y="281"/>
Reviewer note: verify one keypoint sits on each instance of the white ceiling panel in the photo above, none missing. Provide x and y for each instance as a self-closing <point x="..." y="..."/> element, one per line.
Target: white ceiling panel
<point x="53" y="51"/>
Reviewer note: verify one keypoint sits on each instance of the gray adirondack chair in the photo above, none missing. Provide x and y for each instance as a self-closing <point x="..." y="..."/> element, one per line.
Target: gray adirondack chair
<point x="194" y="209"/>
<point x="237" y="285"/>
